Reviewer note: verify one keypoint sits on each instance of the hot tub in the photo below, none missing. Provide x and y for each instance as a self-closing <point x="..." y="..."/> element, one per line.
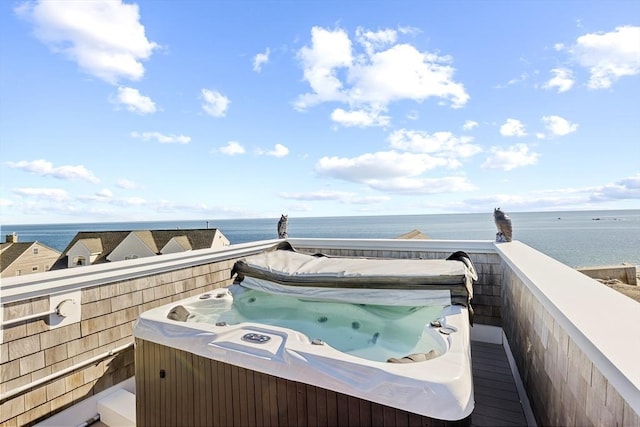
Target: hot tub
<point x="330" y="329"/>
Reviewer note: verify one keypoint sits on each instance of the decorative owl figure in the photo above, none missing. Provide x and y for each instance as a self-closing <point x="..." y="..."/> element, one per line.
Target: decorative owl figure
<point x="282" y="226"/>
<point x="503" y="223"/>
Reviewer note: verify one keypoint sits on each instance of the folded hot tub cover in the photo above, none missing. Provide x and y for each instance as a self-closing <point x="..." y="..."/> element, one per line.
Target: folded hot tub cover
<point x="283" y="265"/>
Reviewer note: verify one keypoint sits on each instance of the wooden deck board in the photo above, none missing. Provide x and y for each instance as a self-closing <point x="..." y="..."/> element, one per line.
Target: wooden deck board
<point x="497" y="402"/>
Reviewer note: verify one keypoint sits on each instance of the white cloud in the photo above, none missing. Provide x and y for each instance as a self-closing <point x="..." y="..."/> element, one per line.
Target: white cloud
<point x="469" y="124"/>
<point x="161" y="138"/>
<point x="329" y="51"/>
<point x="5" y="203"/>
<point x="510" y="158"/>
<point x="609" y="56"/>
<point x="512" y="127"/>
<point x="444" y="144"/>
<point x="377" y="72"/>
<point x="562" y="80"/>
<point x="359" y="118"/>
<point x="403" y="72"/>
<point x="409" y="185"/>
<point x="104" y="37"/>
<point x="232" y="148"/>
<point x="278" y="150"/>
<point x="400" y="170"/>
<point x="367" y="200"/>
<point x="558" y="198"/>
<point x="135" y="101"/>
<point x="215" y="104"/>
<point x="340" y="196"/>
<point x="627" y="188"/>
<point x="373" y="41"/>
<point x="53" y="194"/>
<point x="126" y="184"/>
<point x="46" y="168"/>
<point x="558" y="126"/>
<point x="129" y="201"/>
<point x="318" y="195"/>
<point x="521" y="78"/>
<point x="260" y="59"/>
<point x="105" y="193"/>
<point x="380" y="165"/>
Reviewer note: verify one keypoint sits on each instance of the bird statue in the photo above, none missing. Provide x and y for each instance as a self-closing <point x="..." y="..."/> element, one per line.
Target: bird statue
<point x="282" y="226"/>
<point x="503" y="222"/>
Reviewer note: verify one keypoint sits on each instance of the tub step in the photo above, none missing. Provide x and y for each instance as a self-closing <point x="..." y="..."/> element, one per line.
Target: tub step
<point x="118" y="409"/>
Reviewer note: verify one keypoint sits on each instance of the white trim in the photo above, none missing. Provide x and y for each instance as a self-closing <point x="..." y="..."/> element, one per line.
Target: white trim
<point x="65" y="280"/>
<point x="25" y="318"/>
<point x="484" y="246"/>
<point x="62" y="372"/>
<point x="524" y="399"/>
<point x="69" y="279"/>
<point x="86" y="408"/>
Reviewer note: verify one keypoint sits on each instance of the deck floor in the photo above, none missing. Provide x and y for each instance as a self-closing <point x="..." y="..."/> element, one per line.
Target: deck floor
<point x="496" y="396"/>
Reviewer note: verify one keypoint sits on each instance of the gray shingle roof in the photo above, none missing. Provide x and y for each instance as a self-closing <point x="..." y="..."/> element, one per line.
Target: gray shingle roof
<point x="9" y="252"/>
<point x="94" y="244"/>
<point x="199" y="238"/>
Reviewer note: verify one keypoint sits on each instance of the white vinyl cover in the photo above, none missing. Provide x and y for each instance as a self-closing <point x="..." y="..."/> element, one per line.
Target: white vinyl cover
<point x="287" y="267"/>
<point x="303" y="267"/>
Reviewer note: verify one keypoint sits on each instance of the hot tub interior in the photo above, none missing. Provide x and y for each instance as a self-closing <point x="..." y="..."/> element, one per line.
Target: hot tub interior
<point x="371" y="331"/>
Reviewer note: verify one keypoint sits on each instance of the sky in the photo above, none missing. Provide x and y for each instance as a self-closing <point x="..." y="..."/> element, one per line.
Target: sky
<point x="152" y="110"/>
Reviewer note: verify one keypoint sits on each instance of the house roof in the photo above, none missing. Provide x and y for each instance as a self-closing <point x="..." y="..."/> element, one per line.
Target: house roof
<point x="199" y="238"/>
<point x="9" y="252"/>
<point x="182" y="241"/>
<point x="413" y="234"/>
<point x="147" y="238"/>
<point x="93" y="244"/>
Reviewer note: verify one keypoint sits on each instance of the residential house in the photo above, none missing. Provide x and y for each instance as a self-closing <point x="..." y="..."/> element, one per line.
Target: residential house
<point x="96" y="247"/>
<point x="19" y="258"/>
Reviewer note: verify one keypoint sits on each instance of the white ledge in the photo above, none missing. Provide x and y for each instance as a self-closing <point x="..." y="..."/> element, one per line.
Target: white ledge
<point x="485" y="246"/>
<point x="604" y="324"/>
<point x="52" y="282"/>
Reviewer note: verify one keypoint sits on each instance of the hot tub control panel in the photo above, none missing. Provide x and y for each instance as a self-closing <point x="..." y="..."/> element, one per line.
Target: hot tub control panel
<point x="256" y="338"/>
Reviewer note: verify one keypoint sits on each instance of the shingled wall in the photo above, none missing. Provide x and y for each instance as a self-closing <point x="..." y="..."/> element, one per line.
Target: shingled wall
<point x="31" y="351"/>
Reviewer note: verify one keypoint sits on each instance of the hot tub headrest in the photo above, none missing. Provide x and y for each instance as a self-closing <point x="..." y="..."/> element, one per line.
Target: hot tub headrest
<point x="178" y="313"/>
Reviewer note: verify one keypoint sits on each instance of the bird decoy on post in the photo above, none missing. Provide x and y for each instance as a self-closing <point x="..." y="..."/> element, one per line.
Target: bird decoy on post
<point x="282" y="226"/>
<point x="503" y="223"/>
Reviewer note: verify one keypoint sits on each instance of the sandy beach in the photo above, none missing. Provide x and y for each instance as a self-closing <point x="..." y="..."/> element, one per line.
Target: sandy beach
<point x="632" y="291"/>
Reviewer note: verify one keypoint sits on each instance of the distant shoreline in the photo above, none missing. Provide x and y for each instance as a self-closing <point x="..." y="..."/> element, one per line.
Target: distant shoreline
<point x="3" y="224"/>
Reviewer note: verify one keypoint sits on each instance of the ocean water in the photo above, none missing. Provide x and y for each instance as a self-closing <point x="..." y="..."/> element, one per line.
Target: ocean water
<point x="576" y="238"/>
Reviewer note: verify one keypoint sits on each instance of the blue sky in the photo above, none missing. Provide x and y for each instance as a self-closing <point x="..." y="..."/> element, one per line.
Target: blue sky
<point x="180" y="110"/>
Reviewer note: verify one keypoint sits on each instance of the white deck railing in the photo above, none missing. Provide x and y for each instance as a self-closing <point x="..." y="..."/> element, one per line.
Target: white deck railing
<point x="69" y="279"/>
